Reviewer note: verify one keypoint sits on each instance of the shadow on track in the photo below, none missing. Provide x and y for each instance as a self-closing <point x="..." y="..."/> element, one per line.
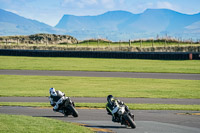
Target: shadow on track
<point x="106" y="127"/>
<point x="54" y="116"/>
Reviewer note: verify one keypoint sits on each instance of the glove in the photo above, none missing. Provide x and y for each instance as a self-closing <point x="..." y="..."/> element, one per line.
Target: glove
<point x="120" y="102"/>
<point x="52" y="104"/>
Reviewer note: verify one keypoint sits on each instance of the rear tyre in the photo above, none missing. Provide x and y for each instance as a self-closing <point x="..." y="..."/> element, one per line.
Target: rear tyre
<point x="73" y="110"/>
<point x="129" y="121"/>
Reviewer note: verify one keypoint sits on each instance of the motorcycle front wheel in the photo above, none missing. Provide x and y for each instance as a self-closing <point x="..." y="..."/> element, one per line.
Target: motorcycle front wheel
<point x="129" y="121"/>
<point x="73" y="110"/>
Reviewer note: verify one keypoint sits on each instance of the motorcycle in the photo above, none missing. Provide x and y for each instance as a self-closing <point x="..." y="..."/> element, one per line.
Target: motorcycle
<point x="124" y="116"/>
<point x="68" y="108"/>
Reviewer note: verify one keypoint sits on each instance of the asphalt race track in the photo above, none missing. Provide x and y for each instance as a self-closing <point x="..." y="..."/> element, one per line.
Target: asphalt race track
<point x="103" y="74"/>
<point x="147" y="121"/>
<point x="103" y="100"/>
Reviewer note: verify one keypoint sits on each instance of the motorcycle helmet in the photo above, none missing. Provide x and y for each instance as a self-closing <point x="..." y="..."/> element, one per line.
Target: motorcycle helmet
<point x="51" y="91"/>
<point x="110" y="98"/>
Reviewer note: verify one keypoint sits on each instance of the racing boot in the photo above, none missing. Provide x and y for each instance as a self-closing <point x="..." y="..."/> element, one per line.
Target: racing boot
<point x="113" y="119"/>
<point x="61" y="111"/>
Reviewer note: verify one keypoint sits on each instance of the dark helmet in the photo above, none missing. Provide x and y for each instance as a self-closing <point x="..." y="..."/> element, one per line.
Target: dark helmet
<point x="109" y="99"/>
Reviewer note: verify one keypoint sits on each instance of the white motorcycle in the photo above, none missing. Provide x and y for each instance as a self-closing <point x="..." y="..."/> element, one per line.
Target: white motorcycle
<point x="69" y="108"/>
<point x="122" y="115"/>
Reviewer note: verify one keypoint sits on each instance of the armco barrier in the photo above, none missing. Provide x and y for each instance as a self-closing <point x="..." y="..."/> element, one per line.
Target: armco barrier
<point x="103" y="54"/>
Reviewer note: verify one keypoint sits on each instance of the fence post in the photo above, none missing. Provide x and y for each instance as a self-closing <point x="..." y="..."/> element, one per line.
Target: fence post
<point x="152" y="43"/>
<point x="97" y="42"/>
<point x="46" y="40"/>
<point x="17" y="41"/>
<point x="119" y="44"/>
<point x="190" y="56"/>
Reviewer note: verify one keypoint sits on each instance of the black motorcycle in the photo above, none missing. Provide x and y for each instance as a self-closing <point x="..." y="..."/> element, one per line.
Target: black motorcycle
<point x="69" y="108"/>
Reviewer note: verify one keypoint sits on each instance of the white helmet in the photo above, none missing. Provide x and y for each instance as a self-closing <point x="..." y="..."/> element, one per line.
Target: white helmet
<point x="51" y="91"/>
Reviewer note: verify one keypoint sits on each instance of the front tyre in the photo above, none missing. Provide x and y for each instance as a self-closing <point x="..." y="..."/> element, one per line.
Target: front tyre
<point x="73" y="110"/>
<point x="129" y="121"/>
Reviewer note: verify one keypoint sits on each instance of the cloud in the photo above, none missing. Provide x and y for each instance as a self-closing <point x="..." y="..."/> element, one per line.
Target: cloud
<point x="140" y="7"/>
<point x="68" y="1"/>
<point x="121" y="1"/>
<point x="79" y="3"/>
<point x="164" y="4"/>
<point x="108" y="3"/>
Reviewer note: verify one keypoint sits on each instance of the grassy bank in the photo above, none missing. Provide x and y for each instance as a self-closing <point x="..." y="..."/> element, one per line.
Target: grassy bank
<point x="28" y="124"/>
<point x="136" y="43"/>
<point x="102" y="105"/>
<point x="14" y="85"/>
<point x="92" y="64"/>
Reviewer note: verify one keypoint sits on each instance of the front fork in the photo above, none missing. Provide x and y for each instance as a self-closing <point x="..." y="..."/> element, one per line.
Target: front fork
<point x="132" y="116"/>
<point x="73" y="104"/>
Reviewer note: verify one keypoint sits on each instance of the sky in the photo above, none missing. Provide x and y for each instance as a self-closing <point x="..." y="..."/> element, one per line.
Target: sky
<point x="51" y="11"/>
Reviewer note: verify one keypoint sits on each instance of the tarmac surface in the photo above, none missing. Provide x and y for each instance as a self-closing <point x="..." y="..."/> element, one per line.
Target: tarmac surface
<point x="103" y="74"/>
<point x="147" y="121"/>
<point x="103" y="100"/>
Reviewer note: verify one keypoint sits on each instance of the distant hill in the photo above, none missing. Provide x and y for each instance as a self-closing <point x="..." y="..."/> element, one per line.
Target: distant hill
<point x="119" y="25"/>
<point x="107" y="21"/>
<point x="112" y="25"/>
<point x="160" y="20"/>
<point x="13" y="24"/>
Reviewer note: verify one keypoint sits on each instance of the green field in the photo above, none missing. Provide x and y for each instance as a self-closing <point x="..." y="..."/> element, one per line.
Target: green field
<point x="138" y="43"/>
<point x="28" y="124"/>
<point x="15" y="85"/>
<point x="92" y="64"/>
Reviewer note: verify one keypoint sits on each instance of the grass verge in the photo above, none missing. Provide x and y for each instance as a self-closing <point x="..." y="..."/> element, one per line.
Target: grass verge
<point x="28" y="124"/>
<point x="94" y="64"/>
<point x="15" y="85"/>
<point x="102" y="105"/>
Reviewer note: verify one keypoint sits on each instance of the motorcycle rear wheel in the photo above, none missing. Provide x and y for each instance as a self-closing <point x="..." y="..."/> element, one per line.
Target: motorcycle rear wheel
<point x="129" y="121"/>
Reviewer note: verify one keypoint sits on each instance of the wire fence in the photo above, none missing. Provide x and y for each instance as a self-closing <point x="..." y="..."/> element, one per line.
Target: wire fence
<point x="99" y="43"/>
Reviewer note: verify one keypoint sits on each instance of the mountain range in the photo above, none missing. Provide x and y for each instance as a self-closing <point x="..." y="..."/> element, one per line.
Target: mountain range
<point x="13" y="24"/>
<point x="112" y="25"/>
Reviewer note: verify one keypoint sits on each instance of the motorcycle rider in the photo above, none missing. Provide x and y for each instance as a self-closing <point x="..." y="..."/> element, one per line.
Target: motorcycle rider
<point x="112" y="107"/>
<point x="56" y="99"/>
